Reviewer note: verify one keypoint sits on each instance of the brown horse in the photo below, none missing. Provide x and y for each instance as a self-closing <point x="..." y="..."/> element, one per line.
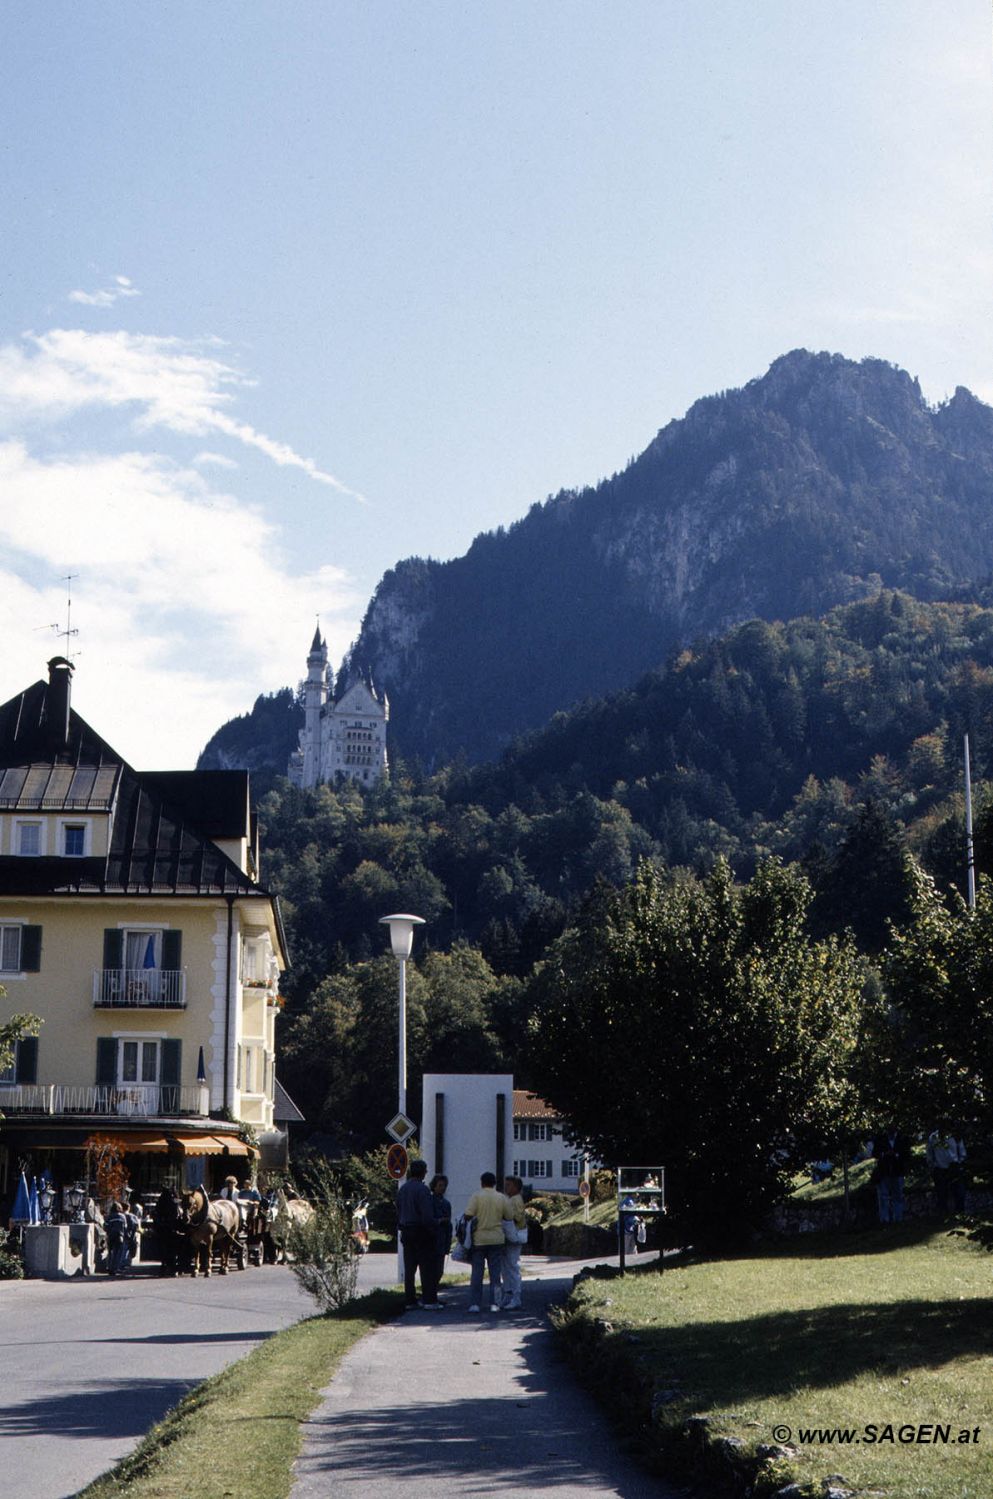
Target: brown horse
<point x="212" y="1226"/>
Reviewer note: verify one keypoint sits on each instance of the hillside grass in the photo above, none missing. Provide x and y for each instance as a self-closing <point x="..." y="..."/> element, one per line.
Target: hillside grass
<point x="236" y="1435"/>
<point x="891" y="1326"/>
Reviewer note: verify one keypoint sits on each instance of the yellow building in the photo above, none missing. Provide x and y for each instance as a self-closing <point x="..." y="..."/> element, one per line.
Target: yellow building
<point x="134" y="923"/>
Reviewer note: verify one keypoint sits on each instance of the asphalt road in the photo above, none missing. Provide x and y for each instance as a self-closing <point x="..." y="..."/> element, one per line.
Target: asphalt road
<point x="90" y="1364"/>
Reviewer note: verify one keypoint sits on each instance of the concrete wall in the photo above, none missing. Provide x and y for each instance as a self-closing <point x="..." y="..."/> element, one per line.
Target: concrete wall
<point x="461" y="1135"/>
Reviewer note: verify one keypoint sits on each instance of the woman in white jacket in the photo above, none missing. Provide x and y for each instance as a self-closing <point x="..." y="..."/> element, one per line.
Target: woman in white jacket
<point x="512" y="1251"/>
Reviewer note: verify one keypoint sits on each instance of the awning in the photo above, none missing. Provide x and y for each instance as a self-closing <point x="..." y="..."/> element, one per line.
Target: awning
<point x="142" y="1140"/>
<point x="194" y="1144"/>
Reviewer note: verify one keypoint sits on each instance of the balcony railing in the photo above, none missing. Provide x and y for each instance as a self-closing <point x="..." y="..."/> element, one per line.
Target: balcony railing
<point x="135" y="1100"/>
<point x="140" y="988"/>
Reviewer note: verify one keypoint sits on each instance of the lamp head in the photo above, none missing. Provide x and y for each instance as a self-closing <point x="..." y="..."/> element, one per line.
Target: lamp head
<point x="401" y="933"/>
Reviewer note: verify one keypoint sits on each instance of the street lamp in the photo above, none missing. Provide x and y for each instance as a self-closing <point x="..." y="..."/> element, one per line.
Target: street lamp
<point x="402" y="941"/>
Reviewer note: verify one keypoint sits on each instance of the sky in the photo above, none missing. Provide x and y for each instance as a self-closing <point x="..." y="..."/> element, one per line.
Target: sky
<point x="289" y="292"/>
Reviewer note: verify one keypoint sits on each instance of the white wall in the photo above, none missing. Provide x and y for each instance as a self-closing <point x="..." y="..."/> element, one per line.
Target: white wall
<point x="469" y="1112"/>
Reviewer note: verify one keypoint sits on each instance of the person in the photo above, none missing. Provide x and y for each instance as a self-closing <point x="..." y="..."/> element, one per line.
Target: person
<point x="945" y="1154"/>
<point x="442" y="1222"/>
<point x="630" y="1223"/>
<point x="133" y="1213"/>
<point x="116" y="1229"/>
<point x="891" y="1152"/>
<point x="511" y="1269"/>
<point x="419" y="1237"/>
<point x="165" y="1215"/>
<point x="489" y="1208"/>
<point x="230" y="1188"/>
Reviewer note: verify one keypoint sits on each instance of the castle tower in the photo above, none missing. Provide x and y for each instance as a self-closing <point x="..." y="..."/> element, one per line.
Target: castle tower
<point x="304" y="768"/>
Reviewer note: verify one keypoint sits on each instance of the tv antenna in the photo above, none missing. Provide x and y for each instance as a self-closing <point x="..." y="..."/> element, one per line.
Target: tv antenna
<point x="68" y="633"/>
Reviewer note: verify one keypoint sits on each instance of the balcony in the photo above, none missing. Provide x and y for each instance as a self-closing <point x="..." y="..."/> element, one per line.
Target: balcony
<point x="130" y="1100"/>
<point x="139" y="988"/>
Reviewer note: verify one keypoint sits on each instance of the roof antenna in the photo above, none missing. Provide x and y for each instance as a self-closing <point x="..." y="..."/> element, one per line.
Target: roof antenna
<point x="68" y="632"/>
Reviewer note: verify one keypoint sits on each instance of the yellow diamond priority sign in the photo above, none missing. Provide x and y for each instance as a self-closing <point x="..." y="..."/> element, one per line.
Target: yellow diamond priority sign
<point x="400" y="1128"/>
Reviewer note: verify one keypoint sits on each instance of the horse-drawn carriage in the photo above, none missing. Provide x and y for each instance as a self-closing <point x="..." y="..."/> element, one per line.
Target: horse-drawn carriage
<point x="254" y="1230"/>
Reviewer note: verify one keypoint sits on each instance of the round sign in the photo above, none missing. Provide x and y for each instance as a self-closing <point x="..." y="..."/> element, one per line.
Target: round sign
<point x="396" y="1162"/>
<point x="584" y="1188"/>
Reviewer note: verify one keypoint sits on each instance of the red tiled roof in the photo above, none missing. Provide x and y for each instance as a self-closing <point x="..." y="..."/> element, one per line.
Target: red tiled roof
<point x="530" y="1106"/>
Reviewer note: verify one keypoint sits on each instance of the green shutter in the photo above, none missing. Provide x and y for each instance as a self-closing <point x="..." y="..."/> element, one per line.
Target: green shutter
<point x="171" y="1075"/>
<point x="106" y="1061"/>
<point x="30" y="949"/>
<point x="113" y="947"/>
<point x="27" y="1058"/>
<point x="172" y="949"/>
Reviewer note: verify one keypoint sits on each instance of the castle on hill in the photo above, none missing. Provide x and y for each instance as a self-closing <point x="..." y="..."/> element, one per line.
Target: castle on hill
<point x="347" y="737"/>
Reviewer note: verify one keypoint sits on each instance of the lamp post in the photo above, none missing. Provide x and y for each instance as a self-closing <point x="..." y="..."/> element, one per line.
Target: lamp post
<point x="402" y="941"/>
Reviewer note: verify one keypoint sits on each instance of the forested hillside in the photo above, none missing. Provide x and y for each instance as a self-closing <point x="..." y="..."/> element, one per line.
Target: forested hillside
<point x="835" y="743"/>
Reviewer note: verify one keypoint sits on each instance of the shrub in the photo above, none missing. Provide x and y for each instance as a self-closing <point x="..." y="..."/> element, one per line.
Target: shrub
<point x="11" y="1266"/>
<point x="324" y="1261"/>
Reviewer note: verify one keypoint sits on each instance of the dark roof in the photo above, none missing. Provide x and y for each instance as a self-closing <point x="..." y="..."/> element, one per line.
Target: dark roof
<point x="164" y="823"/>
<point x="215" y="800"/>
<point x="284" y="1109"/>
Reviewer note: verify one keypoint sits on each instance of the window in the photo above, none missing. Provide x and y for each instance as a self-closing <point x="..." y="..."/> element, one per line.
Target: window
<point x="537" y="1169"/>
<point x="10" y="949"/>
<point x="29" y="838"/>
<point x="571" y="1168"/>
<point x="73" y="840"/>
<point x="142" y="949"/>
<point x="539" y="1131"/>
<point x="139" y="1062"/>
<point x="520" y="1133"/>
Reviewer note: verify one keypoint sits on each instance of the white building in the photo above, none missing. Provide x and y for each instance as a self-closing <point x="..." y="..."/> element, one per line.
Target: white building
<point x="541" y="1156"/>
<point x="347" y="737"/>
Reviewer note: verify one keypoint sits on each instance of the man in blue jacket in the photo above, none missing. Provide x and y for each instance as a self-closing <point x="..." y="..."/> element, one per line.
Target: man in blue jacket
<point x="418" y="1235"/>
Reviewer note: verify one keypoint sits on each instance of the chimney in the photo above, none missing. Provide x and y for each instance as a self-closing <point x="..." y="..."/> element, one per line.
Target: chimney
<point x="57" y="703"/>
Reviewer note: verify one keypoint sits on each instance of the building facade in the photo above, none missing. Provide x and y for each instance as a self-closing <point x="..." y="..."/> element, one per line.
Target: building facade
<point x="542" y="1157"/>
<point x="133" y="921"/>
<point x="347" y="737"/>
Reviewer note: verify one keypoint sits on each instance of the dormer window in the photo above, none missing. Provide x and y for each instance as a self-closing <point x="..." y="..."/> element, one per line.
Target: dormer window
<point x="73" y="840"/>
<point x="29" y="838"/>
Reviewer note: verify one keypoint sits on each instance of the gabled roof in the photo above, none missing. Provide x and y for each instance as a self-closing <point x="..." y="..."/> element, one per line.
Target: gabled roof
<point x="530" y="1106"/>
<point x="164" y="823"/>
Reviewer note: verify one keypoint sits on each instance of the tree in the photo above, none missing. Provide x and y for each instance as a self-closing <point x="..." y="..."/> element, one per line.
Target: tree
<point x="938" y="971"/>
<point x="697" y="1024"/>
<point x="12" y="1031"/>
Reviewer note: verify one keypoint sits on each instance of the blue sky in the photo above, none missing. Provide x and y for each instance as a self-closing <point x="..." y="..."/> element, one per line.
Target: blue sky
<point x="290" y="292"/>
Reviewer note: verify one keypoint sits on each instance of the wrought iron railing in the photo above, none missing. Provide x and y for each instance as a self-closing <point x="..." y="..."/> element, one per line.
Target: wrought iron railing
<point x="140" y="988"/>
<point x="136" y="1100"/>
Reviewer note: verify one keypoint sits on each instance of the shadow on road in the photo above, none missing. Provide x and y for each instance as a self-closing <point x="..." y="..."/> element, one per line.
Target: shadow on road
<point x="109" y="1408"/>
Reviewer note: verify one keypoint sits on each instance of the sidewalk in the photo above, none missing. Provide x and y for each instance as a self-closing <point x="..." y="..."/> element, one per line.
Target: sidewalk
<point x="465" y="1404"/>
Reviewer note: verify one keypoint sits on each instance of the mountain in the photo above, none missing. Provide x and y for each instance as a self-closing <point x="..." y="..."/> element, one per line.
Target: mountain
<point x="260" y="741"/>
<point x="813" y="486"/>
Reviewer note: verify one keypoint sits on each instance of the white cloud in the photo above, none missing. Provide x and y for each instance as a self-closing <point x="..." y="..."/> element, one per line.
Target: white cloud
<point x="174" y="385"/>
<point x="182" y="596"/>
<point x="213" y="460"/>
<point x="106" y="296"/>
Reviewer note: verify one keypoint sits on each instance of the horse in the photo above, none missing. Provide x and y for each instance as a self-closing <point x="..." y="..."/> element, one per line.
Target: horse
<point x="288" y="1212"/>
<point x="212" y="1226"/>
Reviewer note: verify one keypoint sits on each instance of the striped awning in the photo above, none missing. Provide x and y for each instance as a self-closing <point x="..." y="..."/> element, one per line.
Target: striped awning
<point x="195" y="1144"/>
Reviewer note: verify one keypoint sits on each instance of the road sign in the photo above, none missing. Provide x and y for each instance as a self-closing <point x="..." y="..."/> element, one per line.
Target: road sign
<point x="584" y="1188"/>
<point x="396" y="1162"/>
<point x="400" y="1128"/>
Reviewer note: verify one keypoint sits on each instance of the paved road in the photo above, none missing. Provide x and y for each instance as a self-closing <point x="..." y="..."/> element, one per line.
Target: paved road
<point x="460" y="1404"/>
<point x="89" y="1365"/>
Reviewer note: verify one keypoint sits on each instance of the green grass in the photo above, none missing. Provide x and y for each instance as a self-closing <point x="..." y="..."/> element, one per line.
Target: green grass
<point x="236" y="1435"/>
<point x="889" y="1326"/>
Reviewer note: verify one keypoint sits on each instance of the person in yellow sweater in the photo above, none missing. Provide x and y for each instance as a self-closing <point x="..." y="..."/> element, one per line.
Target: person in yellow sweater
<point x="488" y="1208"/>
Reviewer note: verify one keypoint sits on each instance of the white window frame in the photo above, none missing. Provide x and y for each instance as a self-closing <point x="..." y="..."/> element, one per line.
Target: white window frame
<point x="41" y="823"/>
<point x="74" y="822"/>
<point x="539" y="1130"/>
<point x="572" y="1167"/>
<point x="18" y="927"/>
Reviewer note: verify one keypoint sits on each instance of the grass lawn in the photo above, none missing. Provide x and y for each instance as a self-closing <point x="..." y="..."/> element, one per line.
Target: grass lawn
<point x="236" y="1435"/>
<point x="890" y="1326"/>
